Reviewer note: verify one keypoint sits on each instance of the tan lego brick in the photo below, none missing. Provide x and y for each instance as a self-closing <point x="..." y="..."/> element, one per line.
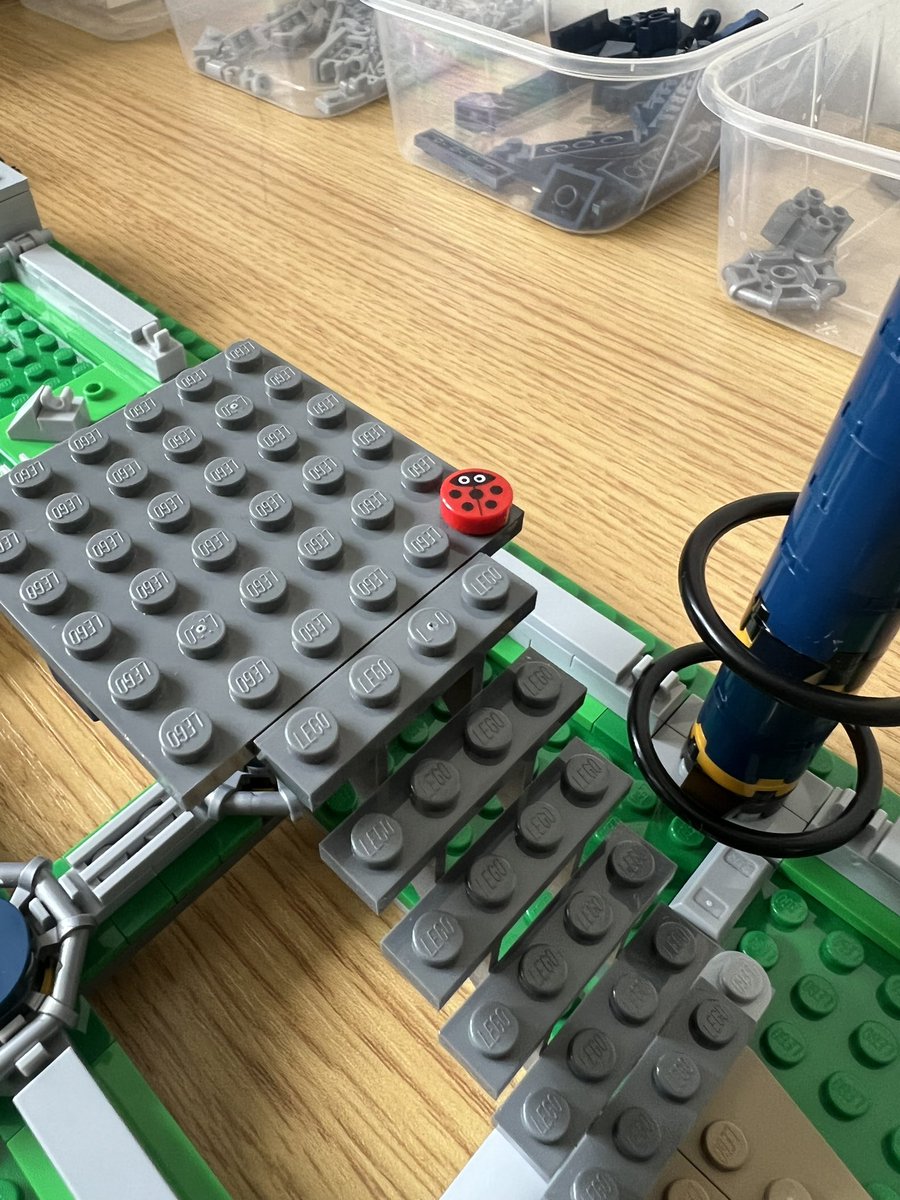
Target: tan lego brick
<point x="680" y="1180"/>
<point x="754" y="1143"/>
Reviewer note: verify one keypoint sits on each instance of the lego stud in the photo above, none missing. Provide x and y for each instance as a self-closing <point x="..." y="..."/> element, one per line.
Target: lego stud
<point x="476" y="502"/>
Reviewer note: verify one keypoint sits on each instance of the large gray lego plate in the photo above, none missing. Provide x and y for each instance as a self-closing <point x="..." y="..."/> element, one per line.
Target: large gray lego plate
<point x="194" y="565"/>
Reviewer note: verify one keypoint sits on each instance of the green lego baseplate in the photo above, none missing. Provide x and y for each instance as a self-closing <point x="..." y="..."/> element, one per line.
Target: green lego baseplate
<point x="831" y="1036"/>
<point x="40" y="346"/>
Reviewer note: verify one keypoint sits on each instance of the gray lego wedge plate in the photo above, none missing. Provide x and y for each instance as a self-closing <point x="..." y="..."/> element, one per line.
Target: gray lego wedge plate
<point x="412" y="816"/>
<point x="192" y="566"/>
<point x="463" y="919"/>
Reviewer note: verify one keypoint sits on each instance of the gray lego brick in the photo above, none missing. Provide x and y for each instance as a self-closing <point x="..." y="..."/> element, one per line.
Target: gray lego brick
<point x="643" y="1124"/>
<point x="463" y="919"/>
<point x="551" y="1109"/>
<point x="592" y="648"/>
<point x="344" y="722"/>
<point x="514" y="1009"/>
<point x="721" y="888"/>
<point x="412" y="816"/>
<point x="93" y="1150"/>
<point x="130" y="329"/>
<point x="192" y="566"/>
<point x="18" y="213"/>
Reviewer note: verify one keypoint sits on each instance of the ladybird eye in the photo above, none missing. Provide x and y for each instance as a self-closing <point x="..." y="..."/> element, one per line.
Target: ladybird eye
<point x="464" y="480"/>
<point x="480" y="478"/>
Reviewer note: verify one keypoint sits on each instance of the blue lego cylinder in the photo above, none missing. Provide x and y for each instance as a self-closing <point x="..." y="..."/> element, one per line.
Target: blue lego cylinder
<point x="16" y="958"/>
<point x="828" y="603"/>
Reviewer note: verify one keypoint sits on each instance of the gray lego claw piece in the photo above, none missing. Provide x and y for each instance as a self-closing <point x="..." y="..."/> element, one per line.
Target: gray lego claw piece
<point x="463" y="919"/>
<point x="319" y="744"/>
<point x="409" y="820"/>
<point x="49" y="417"/>
<point x="642" y="1126"/>
<point x="513" y="1011"/>
<point x="554" y="1105"/>
<point x="192" y="566"/>
<point x="783" y="281"/>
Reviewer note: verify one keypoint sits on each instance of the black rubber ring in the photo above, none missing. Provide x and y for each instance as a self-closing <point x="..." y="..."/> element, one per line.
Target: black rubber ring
<point x="839" y="707"/>
<point x="742" y="837"/>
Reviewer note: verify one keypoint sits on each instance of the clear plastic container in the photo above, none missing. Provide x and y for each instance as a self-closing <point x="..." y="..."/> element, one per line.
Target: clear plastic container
<point x="583" y="143"/>
<point x="115" y="20"/>
<point x="318" y="58"/>
<point x="813" y="111"/>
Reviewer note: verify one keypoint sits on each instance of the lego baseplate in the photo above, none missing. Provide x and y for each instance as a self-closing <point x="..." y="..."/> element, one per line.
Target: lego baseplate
<point x="545" y="872"/>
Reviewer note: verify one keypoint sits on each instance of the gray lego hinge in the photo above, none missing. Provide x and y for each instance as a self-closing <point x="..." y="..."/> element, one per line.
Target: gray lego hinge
<point x="408" y="822"/>
<point x="463" y="919"/>
<point x="514" y="1009"/>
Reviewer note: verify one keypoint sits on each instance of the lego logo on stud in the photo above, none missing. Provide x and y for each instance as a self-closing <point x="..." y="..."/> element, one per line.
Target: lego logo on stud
<point x="253" y="682"/>
<point x="277" y="443"/>
<point x="234" y="412"/>
<point x="68" y="513"/>
<point x="435" y="786"/>
<point x="674" y="944"/>
<point x="44" y="591"/>
<point x="376" y="840"/>
<point x="182" y="444"/>
<point x="143" y="415"/>
<point x="542" y="972"/>
<point x="374" y="681"/>
<point x="263" y="590"/>
<point x="539" y="828"/>
<point x="319" y="548"/>
<point x="127" y="477"/>
<point x="633" y="999"/>
<point x="371" y="509"/>
<point x="595" y="1184"/>
<point x="373" y="588"/>
<point x="186" y="735"/>
<point x="243" y="356"/>
<point x="421" y="472"/>
<point x="201" y="634"/>
<point x="432" y="632"/>
<point x="425" y="546"/>
<point x="713" y="1024"/>
<point x="676" y="1077"/>
<point x="538" y="685"/>
<point x="194" y="384"/>
<point x="488" y="734"/>
<point x="588" y="916"/>
<point x="631" y="863"/>
<point x="134" y="683"/>
<point x="312" y="734"/>
<point x="283" y="382"/>
<point x="437" y="938"/>
<point x="214" y="549"/>
<point x="493" y="1029"/>
<point x="169" y="512"/>
<point x="13" y="550"/>
<point x="153" y="591"/>
<point x="591" y="1055"/>
<point x="485" y="585"/>
<point x="225" y="476"/>
<point x="88" y="635"/>
<point x="315" y="633"/>
<point x="637" y="1135"/>
<point x="372" y="440"/>
<point x="30" y="478"/>
<point x="89" y="445"/>
<point x="326" y="411"/>
<point x="491" y="881"/>
<point x="109" y="550"/>
<point x="585" y="779"/>
<point x="323" y="475"/>
<point x="546" y="1115"/>
<point x="271" y="511"/>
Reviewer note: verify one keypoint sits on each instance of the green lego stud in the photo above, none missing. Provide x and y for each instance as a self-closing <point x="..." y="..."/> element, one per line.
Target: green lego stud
<point x="788" y="909"/>
<point x="814" y="997"/>
<point x="874" y="1045"/>
<point x="760" y="947"/>
<point x="844" y="1097"/>
<point x="784" y="1044"/>
<point x="842" y="951"/>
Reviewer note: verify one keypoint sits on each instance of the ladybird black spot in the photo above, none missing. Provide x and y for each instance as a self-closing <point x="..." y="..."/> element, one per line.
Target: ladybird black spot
<point x="496" y="491"/>
<point x="490" y="504"/>
<point x="467" y="506"/>
<point x="476" y="493"/>
<point x="455" y="494"/>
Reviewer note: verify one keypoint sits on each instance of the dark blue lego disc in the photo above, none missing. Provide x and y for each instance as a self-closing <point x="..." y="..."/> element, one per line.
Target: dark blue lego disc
<point x="15" y="957"/>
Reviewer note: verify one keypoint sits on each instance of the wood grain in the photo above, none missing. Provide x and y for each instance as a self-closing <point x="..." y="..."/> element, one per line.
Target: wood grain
<point x="607" y="377"/>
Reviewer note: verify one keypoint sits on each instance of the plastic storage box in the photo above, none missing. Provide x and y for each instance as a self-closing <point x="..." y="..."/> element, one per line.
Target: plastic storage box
<point x="116" y="20"/>
<point x="319" y="58"/>
<point x="583" y="143"/>
<point x="812" y="112"/>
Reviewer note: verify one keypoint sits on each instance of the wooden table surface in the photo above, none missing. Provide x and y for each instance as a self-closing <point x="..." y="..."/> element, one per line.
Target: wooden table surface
<point x="607" y="377"/>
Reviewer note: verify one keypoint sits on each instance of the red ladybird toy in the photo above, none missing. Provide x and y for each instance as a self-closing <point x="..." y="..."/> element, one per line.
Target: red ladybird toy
<point x="476" y="502"/>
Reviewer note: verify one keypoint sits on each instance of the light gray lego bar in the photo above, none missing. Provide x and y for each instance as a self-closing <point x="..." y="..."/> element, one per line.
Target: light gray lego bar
<point x="514" y="1010"/>
<point x="133" y="331"/>
<point x="94" y="1152"/>
<point x="643" y="1124"/>
<point x="719" y="890"/>
<point x="345" y="721"/>
<point x="496" y="1172"/>
<point x="593" y="649"/>
<point x="465" y="916"/>
<point x="18" y="213"/>
<point x="550" y="1110"/>
<point x="409" y="820"/>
